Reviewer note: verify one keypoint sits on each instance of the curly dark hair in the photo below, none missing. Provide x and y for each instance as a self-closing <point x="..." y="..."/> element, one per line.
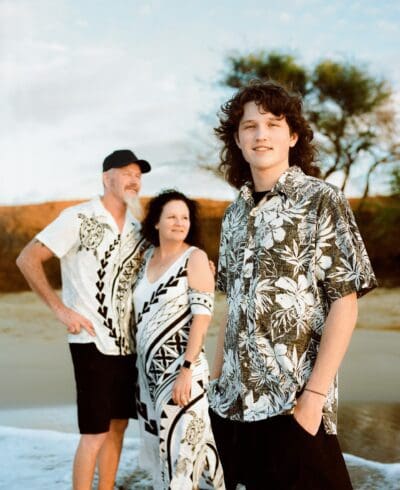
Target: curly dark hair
<point x="275" y="98"/>
<point x="154" y="210"/>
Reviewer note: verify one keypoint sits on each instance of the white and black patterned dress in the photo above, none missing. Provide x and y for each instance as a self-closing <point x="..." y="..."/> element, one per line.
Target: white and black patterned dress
<point x="177" y="444"/>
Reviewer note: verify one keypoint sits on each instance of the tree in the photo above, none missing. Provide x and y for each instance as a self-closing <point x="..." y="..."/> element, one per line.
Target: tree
<point x="351" y="111"/>
<point x="262" y="65"/>
<point x="395" y="181"/>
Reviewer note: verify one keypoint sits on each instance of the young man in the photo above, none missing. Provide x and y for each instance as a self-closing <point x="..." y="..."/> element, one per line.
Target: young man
<point x="100" y="248"/>
<point x="292" y="264"/>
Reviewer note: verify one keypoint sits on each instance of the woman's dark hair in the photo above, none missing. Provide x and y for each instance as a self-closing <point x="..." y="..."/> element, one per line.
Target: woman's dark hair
<point x="271" y="97"/>
<point x="154" y="210"/>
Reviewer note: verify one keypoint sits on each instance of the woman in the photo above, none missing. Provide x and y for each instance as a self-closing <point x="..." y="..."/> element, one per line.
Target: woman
<point x="173" y="302"/>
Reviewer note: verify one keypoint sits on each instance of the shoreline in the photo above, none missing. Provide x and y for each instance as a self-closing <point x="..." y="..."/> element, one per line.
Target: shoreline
<point x="365" y="430"/>
<point x="42" y="373"/>
<point x="34" y="349"/>
<point x="37" y="385"/>
<point x="44" y="458"/>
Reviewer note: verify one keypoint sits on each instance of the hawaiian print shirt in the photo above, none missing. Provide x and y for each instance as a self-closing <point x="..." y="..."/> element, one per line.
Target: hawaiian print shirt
<point x="282" y="264"/>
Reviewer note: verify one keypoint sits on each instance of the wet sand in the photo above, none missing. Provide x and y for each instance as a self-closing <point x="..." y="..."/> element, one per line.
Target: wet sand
<point x="370" y="430"/>
<point x="35" y="368"/>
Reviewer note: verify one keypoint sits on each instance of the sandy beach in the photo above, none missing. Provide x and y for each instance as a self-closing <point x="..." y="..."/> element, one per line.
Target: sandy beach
<point x="35" y="367"/>
<point x="37" y="388"/>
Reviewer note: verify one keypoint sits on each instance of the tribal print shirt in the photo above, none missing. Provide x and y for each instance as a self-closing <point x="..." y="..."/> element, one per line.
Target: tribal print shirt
<point x="99" y="264"/>
<point x="282" y="264"/>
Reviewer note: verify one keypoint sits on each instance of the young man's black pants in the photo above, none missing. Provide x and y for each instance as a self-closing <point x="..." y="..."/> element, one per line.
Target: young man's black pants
<point x="278" y="454"/>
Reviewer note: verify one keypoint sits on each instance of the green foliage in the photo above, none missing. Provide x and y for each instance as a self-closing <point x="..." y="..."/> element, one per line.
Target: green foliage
<point x="378" y="221"/>
<point x="350" y="110"/>
<point x="395" y="181"/>
<point x="279" y="67"/>
<point x="350" y="87"/>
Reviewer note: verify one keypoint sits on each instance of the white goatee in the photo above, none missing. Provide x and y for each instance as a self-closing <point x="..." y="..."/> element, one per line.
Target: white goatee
<point x="134" y="206"/>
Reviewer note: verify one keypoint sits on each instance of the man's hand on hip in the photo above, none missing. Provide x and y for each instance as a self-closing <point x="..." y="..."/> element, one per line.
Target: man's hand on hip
<point x="74" y="321"/>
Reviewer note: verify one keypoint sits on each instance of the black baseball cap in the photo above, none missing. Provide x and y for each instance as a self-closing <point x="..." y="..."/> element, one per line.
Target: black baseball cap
<point x="121" y="158"/>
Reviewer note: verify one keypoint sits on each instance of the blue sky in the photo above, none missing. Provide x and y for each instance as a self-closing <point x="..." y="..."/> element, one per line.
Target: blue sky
<point x="82" y="78"/>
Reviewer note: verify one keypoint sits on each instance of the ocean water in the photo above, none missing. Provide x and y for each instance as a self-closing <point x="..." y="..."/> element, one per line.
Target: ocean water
<point x="34" y="459"/>
<point x="40" y="459"/>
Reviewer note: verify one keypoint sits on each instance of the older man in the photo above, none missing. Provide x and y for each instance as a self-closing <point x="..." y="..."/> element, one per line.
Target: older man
<point x="100" y="248"/>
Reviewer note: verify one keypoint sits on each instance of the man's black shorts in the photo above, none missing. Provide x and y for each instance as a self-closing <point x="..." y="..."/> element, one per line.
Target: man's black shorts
<point x="105" y="387"/>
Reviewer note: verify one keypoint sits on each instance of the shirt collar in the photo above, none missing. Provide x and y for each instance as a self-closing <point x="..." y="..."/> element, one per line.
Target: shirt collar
<point x="129" y="218"/>
<point x="286" y="184"/>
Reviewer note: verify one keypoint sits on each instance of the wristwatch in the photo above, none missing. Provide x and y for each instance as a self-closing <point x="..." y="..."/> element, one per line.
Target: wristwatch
<point x="187" y="364"/>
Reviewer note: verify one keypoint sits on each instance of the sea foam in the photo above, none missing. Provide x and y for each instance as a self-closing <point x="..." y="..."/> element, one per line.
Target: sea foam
<point x="42" y="459"/>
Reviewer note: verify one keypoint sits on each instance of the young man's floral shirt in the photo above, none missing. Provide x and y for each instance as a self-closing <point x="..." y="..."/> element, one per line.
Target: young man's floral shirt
<point x="282" y="264"/>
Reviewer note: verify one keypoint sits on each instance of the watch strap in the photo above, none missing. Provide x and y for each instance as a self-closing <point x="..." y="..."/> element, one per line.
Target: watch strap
<point x="187" y="364"/>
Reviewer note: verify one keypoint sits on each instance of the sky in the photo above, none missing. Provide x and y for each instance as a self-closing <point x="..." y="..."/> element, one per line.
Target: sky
<point x="79" y="79"/>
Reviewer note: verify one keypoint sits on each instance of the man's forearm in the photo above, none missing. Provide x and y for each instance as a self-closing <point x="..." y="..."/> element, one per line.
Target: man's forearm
<point x="335" y="340"/>
<point x="35" y="276"/>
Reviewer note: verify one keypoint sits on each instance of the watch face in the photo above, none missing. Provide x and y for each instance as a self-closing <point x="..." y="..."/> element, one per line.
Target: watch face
<point x="187" y="364"/>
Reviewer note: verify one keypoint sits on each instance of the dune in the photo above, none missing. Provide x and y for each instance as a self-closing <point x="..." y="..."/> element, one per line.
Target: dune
<point x="377" y="220"/>
<point x="19" y="224"/>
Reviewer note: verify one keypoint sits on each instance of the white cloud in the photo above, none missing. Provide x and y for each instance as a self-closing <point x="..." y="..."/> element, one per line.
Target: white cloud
<point x="388" y="26"/>
<point x="285" y="17"/>
<point x="79" y="82"/>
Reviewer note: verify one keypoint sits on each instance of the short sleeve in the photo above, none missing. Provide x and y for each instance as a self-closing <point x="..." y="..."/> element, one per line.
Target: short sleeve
<point x="62" y="234"/>
<point x="222" y="259"/>
<point x="342" y="262"/>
